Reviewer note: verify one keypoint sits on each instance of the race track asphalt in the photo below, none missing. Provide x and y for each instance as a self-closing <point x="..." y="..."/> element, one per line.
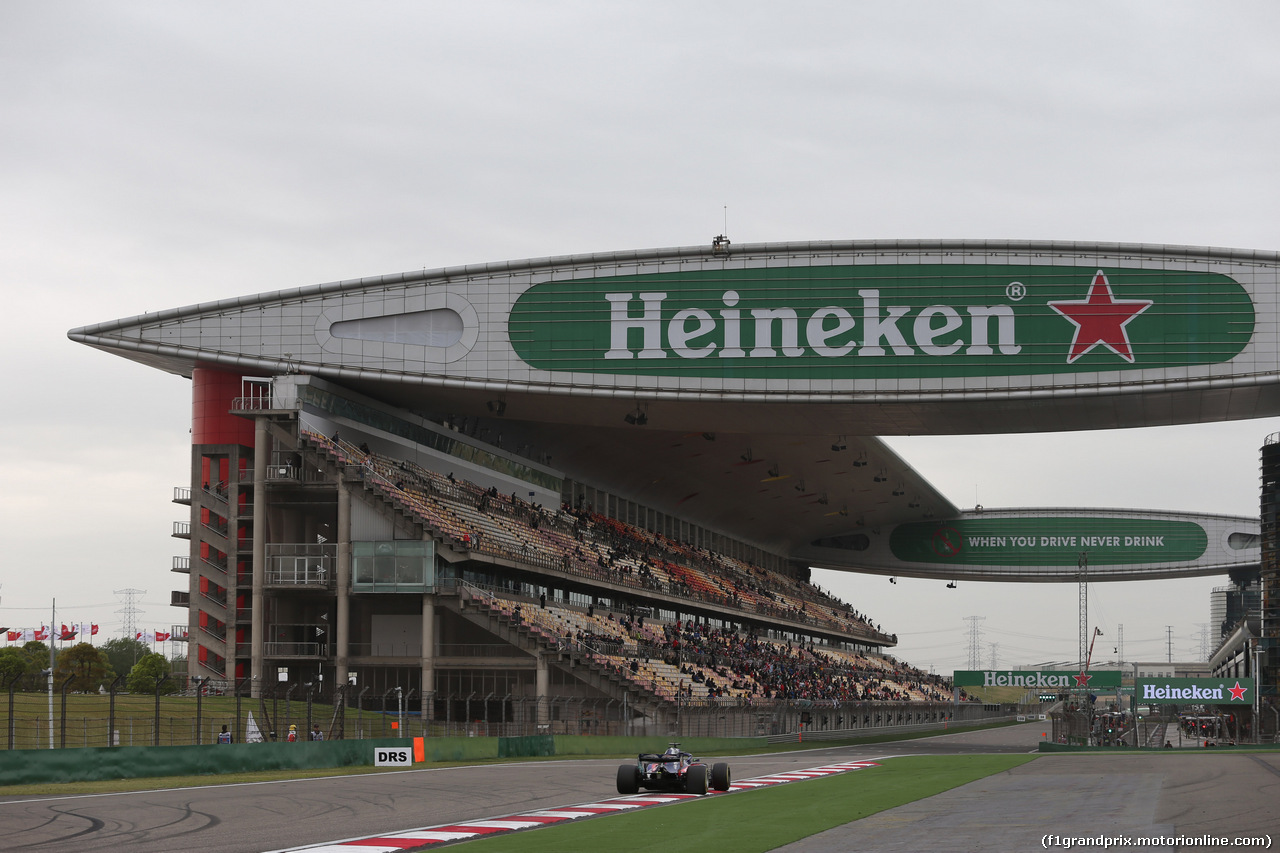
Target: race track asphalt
<point x="1222" y="794"/>
<point x="1159" y="794"/>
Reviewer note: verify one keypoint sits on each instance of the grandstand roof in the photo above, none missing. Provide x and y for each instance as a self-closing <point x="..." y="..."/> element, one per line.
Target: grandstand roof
<point x="742" y="387"/>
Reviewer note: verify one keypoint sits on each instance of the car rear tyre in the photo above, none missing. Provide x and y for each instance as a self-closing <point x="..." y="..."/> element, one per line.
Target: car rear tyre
<point x="720" y="776"/>
<point x="695" y="780"/>
<point x="628" y="779"/>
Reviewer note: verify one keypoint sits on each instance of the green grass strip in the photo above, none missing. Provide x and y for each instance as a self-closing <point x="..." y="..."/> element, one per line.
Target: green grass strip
<point x="763" y="819"/>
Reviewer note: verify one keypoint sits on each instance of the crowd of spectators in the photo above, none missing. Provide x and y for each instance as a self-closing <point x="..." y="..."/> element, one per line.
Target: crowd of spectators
<point x="700" y="660"/>
<point x="583" y="542"/>
<point x="747" y="665"/>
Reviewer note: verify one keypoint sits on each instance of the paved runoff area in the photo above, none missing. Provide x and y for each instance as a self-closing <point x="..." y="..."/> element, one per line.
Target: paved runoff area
<point x="1189" y="801"/>
<point x="1162" y="802"/>
<point x="431" y="835"/>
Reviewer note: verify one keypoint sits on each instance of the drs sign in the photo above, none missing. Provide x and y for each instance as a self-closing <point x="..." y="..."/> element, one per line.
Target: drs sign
<point x="393" y="757"/>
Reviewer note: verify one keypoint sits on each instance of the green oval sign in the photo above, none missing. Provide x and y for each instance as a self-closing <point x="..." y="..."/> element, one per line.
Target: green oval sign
<point x="1052" y="541"/>
<point x="882" y="321"/>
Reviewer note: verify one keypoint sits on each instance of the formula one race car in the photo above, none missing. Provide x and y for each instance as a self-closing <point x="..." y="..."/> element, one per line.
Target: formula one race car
<point x="673" y="770"/>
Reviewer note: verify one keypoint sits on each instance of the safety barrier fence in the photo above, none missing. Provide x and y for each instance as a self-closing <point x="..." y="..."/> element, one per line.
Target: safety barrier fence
<point x="30" y="721"/>
<point x="93" y="764"/>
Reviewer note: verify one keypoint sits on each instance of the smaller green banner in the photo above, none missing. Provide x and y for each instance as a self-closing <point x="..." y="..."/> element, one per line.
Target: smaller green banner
<point x="1193" y="691"/>
<point x="1048" y="541"/>
<point x="1038" y="679"/>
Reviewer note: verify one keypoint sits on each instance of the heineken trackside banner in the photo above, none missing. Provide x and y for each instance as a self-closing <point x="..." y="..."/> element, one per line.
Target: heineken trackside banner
<point x="1052" y="679"/>
<point x="1048" y="541"/>
<point x="883" y="321"/>
<point x="1193" y="691"/>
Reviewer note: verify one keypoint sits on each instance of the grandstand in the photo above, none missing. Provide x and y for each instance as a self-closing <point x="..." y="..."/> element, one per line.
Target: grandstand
<point x="602" y="479"/>
<point x="523" y="600"/>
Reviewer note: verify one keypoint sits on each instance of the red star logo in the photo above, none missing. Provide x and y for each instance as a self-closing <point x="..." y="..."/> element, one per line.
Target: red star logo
<point x="1082" y="680"/>
<point x="1100" y="319"/>
<point x="1237" y="692"/>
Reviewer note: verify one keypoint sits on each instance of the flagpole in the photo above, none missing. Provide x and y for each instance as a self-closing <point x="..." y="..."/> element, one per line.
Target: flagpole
<point x="53" y="620"/>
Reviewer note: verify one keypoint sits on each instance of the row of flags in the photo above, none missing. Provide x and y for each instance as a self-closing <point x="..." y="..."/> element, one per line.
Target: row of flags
<point x="68" y="632"/>
<point x="76" y="629"/>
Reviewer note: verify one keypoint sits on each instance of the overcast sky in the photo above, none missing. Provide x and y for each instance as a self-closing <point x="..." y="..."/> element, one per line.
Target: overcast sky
<point x="160" y="154"/>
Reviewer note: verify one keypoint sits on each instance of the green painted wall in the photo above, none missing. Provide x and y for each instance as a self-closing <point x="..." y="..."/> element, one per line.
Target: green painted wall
<point x="33" y="766"/>
<point x="38" y="766"/>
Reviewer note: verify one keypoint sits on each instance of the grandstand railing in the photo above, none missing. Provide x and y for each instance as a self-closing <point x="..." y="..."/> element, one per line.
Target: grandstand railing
<point x="218" y="632"/>
<point x="474" y="650"/>
<point x="272" y="402"/>
<point x="219" y="527"/>
<point x="211" y="560"/>
<point x="217" y="598"/>
<point x="294" y="650"/>
<point x="217" y="490"/>
<point x="282" y="472"/>
<point x="299" y="575"/>
<point x="384" y="650"/>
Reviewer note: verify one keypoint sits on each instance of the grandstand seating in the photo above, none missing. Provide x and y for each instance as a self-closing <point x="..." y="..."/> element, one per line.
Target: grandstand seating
<point x="467" y="516"/>
<point x="669" y="659"/>
<point x="664" y="659"/>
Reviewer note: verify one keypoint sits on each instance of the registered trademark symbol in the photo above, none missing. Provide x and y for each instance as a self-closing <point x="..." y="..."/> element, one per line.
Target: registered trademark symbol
<point x="1016" y="290"/>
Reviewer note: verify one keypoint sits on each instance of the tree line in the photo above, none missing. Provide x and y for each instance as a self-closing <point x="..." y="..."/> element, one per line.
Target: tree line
<point x="86" y="668"/>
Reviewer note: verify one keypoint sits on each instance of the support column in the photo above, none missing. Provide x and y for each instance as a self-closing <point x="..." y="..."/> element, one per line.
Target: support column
<point x="428" y="654"/>
<point x="259" y="618"/>
<point x="542" y="693"/>
<point x="343" y="581"/>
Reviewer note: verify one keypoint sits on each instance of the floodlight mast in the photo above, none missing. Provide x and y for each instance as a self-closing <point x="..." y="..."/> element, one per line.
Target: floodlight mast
<point x="1083" y="564"/>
